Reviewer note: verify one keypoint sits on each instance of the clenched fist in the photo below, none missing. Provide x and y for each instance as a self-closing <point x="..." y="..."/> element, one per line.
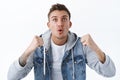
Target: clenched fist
<point x="88" y="41"/>
<point x="36" y="42"/>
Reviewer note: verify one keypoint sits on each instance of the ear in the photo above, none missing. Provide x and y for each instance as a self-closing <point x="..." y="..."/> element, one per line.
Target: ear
<point x="70" y="24"/>
<point x="48" y="24"/>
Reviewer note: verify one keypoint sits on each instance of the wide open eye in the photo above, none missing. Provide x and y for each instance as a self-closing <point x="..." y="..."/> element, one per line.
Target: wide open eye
<point x="55" y="19"/>
<point x="64" y="19"/>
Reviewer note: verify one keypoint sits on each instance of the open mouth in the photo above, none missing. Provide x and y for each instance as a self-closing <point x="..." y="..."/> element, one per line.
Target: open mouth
<point x="60" y="30"/>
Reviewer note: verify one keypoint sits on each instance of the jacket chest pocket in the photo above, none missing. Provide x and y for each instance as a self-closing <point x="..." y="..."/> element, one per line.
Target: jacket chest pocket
<point x="78" y="64"/>
<point x="38" y="63"/>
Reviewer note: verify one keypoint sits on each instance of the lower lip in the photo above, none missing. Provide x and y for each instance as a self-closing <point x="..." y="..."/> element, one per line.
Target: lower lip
<point x="60" y="31"/>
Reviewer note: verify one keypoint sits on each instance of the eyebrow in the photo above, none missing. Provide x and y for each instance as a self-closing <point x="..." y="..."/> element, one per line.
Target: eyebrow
<point x="62" y="16"/>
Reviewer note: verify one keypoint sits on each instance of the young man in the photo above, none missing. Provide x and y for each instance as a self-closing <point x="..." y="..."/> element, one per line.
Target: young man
<point x="59" y="54"/>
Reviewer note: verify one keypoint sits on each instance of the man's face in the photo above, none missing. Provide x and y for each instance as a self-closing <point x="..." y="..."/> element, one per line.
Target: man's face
<point x="59" y="24"/>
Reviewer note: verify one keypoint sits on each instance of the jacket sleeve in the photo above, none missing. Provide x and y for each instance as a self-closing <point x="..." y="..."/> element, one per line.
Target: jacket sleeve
<point x="17" y="72"/>
<point x="106" y="69"/>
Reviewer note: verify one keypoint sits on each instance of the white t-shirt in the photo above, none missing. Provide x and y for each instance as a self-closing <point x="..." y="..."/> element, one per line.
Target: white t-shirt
<point x="58" y="53"/>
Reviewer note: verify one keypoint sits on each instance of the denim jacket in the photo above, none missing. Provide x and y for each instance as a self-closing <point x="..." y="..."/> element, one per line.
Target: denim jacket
<point x="73" y="65"/>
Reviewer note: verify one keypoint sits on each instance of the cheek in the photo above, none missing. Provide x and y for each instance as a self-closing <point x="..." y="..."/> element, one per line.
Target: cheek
<point x="67" y="28"/>
<point x="51" y="25"/>
<point x="68" y="25"/>
<point x="53" y="29"/>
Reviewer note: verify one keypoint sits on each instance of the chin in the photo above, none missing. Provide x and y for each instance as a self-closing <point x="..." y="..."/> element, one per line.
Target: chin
<point x="61" y="37"/>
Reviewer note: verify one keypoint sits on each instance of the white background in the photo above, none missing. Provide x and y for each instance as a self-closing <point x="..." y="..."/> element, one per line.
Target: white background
<point x="20" y="20"/>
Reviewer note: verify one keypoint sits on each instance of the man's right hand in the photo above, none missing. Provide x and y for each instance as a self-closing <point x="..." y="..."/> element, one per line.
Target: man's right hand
<point x="36" y="42"/>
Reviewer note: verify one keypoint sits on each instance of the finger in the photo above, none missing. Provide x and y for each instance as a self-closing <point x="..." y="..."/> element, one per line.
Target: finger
<point x="40" y="40"/>
<point x="83" y="39"/>
<point x="84" y="43"/>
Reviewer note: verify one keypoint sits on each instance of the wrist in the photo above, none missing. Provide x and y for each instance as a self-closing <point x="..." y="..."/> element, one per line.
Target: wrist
<point x="101" y="55"/>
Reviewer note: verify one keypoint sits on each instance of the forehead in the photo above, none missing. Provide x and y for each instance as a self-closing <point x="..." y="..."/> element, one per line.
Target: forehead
<point x="59" y="13"/>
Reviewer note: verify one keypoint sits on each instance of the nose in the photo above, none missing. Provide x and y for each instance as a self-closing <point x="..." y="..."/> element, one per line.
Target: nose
<point x="59" y="23"/>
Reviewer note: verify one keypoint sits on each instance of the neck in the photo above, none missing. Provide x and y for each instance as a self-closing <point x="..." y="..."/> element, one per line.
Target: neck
<point x="59" y="41"/>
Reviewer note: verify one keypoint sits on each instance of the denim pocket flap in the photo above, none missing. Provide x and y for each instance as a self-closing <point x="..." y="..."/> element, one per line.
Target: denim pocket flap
<point x="79" y="59"/>
<point x="39" y="60"/>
